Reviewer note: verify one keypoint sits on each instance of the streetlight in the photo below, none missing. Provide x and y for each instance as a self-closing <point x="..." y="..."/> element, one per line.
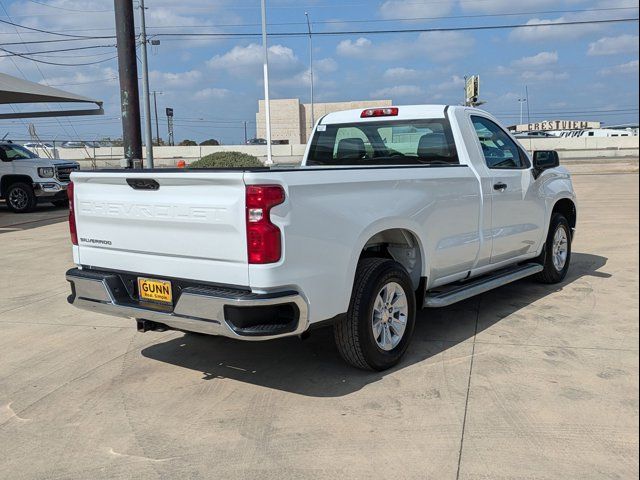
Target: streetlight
<point x="155" y="107"/>
<point x="313" y="116"/>
<point x="522" y="101"/>
<point x="267" y="106"/>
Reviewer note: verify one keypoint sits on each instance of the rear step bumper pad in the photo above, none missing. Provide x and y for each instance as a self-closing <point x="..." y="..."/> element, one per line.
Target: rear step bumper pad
<point x="197" y="309"/>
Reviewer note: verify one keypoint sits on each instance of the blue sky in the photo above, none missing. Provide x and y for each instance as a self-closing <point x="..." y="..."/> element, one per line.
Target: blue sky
<point x="214" y="84"/>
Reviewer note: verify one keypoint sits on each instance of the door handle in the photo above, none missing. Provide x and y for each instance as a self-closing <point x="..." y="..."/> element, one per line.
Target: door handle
<point x="500" y="187"/>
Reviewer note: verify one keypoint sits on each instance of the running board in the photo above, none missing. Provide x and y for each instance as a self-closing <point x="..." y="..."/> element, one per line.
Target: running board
<point x="481" y="285"/>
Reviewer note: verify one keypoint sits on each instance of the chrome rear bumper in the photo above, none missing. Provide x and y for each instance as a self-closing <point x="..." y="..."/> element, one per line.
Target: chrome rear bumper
<point x="200" y="310"/>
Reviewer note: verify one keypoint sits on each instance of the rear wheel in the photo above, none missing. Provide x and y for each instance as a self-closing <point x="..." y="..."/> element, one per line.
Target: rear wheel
<point x="21" y="198"/>
<point x="378" y="327"/>
<point x="556" y="255"/>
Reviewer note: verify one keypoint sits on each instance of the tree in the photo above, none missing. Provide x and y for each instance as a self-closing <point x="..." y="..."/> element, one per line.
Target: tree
<point x="187" y="143"/>
<point x="210" y="142"/>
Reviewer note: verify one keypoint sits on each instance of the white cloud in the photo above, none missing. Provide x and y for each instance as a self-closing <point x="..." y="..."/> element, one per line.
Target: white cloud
<point x="176" y="79"/>
<point x="542" y="59"/>
<point x="546" y="32"/>
<point x="445" y="46"/>
<point x="499" y="6"/>
<point x="623" y="69"/>
<point x="400" y="74"/>
<point x="212" y="93"/>
<point x="326" y="65"/>
<point x="391" y="9"/>
<point x="435" y="46"/>
<point x="350" y="48"/>
<point x="455" y="82"/>
<point x="398" y="91"/>
<point x="243" y="60"/>
<point x="614" y="45"/>
<point x="545" y="76"/>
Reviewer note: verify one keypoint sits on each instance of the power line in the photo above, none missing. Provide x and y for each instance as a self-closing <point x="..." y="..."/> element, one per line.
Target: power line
<point x="416" y="19"/>
<point x="71" y="37"/>
<point x="49" y="32"/>
<point x="42" y="52"/>
<point x="408" y="30"/>
<point x="26" y="57"/>
<point x="68" y="9"/>
<point x="330" y="22"/>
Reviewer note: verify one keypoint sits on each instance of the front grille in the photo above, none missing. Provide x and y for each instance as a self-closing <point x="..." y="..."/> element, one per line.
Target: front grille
<point x="64" y="172"/>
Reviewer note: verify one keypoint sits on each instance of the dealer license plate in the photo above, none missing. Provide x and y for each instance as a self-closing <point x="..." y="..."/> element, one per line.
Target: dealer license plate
<point x="155" y="290"/>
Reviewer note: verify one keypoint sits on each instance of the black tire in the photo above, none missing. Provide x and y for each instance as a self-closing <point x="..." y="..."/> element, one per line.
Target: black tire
<point x="552" y="273"/>
<point x="20" y="198"/>
<point x="354" y="333"/>
<point x="61" y="203"/>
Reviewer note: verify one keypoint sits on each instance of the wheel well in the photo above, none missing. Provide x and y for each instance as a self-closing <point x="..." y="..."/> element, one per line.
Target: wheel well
<point x="400" y="245"/>
<point x="567" y="208"/>
<point x="8" y="180"/>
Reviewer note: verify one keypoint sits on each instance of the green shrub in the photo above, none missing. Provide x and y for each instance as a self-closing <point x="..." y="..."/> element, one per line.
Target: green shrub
<point x="227" y="160"/>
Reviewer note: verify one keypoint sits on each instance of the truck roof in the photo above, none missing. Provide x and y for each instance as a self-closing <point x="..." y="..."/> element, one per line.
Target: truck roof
<point x="405" y="112"/>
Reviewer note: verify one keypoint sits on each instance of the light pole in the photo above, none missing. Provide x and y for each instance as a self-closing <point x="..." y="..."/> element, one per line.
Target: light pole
<point x="148" y="136"/>
<point x="155" y="108"/>
<point x="522" y="101"/>
<point x="313" y="115"/>
<point x="267" y="106"/>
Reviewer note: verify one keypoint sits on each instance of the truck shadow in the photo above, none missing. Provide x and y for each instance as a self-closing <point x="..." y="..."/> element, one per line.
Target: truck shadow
<point x="314" y="368"/>
<point x="44" y="214"/>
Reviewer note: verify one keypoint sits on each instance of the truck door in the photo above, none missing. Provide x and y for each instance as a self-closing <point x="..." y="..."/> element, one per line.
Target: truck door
<point x="517" y="212"/>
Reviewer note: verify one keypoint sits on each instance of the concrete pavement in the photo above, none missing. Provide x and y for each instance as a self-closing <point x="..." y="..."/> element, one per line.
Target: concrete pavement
<point x="528" y="381"/>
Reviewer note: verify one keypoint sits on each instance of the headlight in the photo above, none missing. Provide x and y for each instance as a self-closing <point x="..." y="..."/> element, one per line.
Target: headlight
<point x="46" y="172"/>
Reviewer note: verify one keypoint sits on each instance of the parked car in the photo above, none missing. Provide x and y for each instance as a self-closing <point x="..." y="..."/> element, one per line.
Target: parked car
<point x="73" y="145"/>
<point x="26" y="179"/>
<point x="393" y="209"/>
<point x="35" y="145"/>
<point x="257" y="141"/>
<point x="533" y="135"/>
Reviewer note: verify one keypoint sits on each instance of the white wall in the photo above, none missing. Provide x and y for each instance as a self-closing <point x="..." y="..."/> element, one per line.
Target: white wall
<point x="568" y="148"/>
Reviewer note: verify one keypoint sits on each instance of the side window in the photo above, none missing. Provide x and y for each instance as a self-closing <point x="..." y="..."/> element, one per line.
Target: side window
<point x="351" y="144"/>
<point x="498" y="148"/>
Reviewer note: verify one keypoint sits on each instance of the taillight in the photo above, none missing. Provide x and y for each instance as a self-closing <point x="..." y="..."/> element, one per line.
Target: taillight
<point x="72" y="215"/>
<point x="264" y="243"/>
<point x="380" y="112"/>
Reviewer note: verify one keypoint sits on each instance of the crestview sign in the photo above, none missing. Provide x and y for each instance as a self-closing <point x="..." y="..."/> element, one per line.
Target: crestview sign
<point x="557" y="125"/>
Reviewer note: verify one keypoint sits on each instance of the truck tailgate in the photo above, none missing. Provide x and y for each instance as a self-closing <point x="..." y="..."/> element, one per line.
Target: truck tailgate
<point x="191" y="226"/>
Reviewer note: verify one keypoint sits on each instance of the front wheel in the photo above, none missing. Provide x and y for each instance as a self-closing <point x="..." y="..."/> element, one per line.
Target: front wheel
<point x="377" y="329"/>
<point x="21" y="198"/>
<point x="556" y="255"/>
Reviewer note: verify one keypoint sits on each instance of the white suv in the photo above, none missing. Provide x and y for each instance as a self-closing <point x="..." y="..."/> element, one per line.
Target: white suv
<point x="26" y="179"/>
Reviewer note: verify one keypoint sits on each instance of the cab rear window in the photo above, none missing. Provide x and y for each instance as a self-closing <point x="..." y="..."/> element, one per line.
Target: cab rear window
<point x="397" y="142"/>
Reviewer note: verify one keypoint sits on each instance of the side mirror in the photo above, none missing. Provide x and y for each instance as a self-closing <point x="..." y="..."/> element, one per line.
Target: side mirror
<point x="544" y="160"/>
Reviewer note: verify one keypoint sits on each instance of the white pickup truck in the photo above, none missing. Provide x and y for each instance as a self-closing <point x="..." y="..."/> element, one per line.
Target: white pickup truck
<point x="26" y="179"/>
<point x="393" y="209"/>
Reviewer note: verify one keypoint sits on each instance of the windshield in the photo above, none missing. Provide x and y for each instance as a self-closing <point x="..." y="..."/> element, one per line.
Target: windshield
<point x="399" y="142"/>
<point x="15" y="152"/>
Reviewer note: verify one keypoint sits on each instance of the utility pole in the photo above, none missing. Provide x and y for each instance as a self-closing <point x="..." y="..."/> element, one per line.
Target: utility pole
<point x="148" y="136"/>
<point x="313" y="115"/>
<point x="169" y="112"/>
<point x="128" y="75"/>
<point x="155" y="108"/>
<point x="267" y="106"/>
<point x="526" y="89"/>
<point x="245" y="132"/>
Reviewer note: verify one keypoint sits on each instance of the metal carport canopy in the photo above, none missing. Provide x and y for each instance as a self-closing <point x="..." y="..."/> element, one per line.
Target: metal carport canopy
<point x="15" y="90"/>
